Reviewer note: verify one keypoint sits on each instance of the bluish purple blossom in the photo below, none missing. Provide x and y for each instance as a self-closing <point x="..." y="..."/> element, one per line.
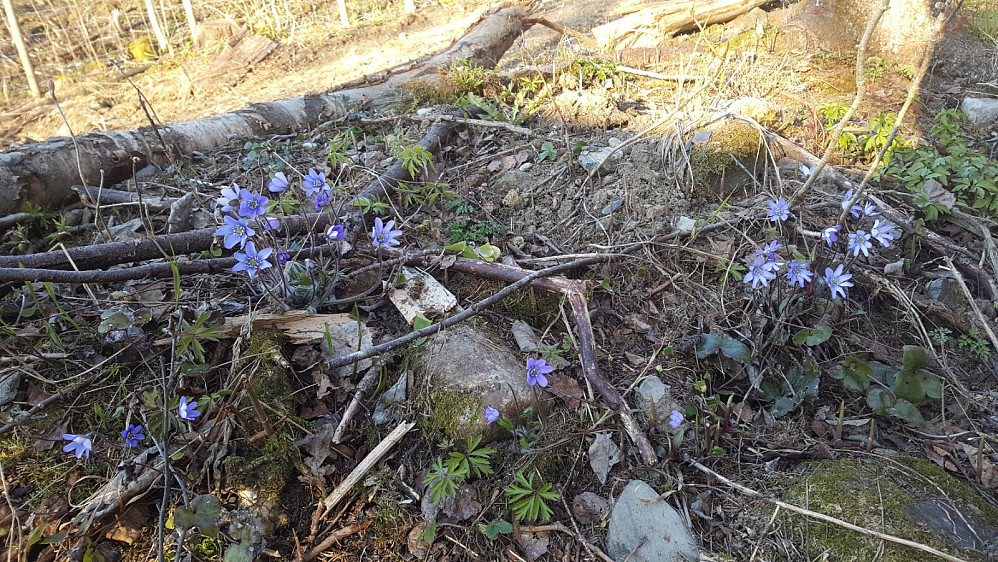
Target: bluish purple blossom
<point x="282" y="256"/>
<point x="769" y="251"/>
<point x="252" y="261"/>
<point x="314" y="181"/>
<point x="870" y="210"/>
<point x="883" y="232"/>
<point x="187" y="410"/>
<point x="778" y="211"/>
<point x="278" y="183"/>
<point x="799" y="273"/>
<point x="855" y="210"/>
<point x="320" y="200"/>
<point x="78" y="444"/>
<point x="132" y="435"/>
<point x="335" y="232"/>
<point x="761" y="271"/>
<point x="837" y="280"/>
<point x="383" y="235"/>
<point x="830" y="234"/>
<point x="536" y="371"/>
<point x="270" y="223"/>
<point x="251" y="205"/>
<point x="676" y="419"/>
<point x="859" y="241"/>
<point x="235" y="231"/>
<point x="229" y="201"/>
<point x="491" y="415"/>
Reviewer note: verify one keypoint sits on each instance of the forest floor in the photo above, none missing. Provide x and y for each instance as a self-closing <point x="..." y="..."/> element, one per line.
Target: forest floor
<point x="877" y="407"/>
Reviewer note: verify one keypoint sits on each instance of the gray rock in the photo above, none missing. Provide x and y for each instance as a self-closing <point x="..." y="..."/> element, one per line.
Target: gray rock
<point x="467" y="371"/>
<point x="592" y="156"/>
<point x="946" y="291"/>
<point x="980" y="110"/>
<point x="385" y="410"/>
<point x="514" y="180"/>
<point x="655" y="400"/>
<point x="9" y="383"/>
<point x="645" y="530"/>
<point x="526" y="338"/>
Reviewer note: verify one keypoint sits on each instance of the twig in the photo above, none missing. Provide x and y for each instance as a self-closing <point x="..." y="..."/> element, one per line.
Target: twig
<point x="860" y="92"/>
<point x="336" y="535"/>
<point x="590" y="368"/>
<point x="970" y="299"/>
<point x="365" y="465"/>
<point x="822" y="517"/>
<point x="365" y="384"/>
<point x="452" y="119"/>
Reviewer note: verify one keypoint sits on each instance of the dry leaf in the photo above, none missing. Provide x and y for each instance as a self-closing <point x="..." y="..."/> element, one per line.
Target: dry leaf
<point x="566" y="388"/>
<point x="534" y="545"/>
<point x="603" y="454"/>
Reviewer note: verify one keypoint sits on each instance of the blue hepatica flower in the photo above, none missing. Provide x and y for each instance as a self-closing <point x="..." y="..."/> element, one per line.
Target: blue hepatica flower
<point x="760" y="272"/>
<point x="314" y="181"/>
<point x="229" y="201"/>
<point x="282" y="256"/>
<point x="676" y="419"/>
<point x="769" y="251"/>
<point x="855" y="210"/>
<point x="252" y="205"/>
<point x="837" y="280"/>
<point x="335" y="232"/>
<point x="831" y="234"/>
<point x="870" y="210"/>
<point x="78" y="444"/>
<point x="799" y="273"/>
<point x="252" y="261"/>
<point x="132" y="435"/>
<point x="883" y="232"/>
<point x="859" y="241"/>
<point x="235" y="231"/>
<point x="270" y="223"/>
<point x="187" y="410"/>
<point x="536" y="371"/>
<point x="383" y="235"/>
<point x="278" y="183"/>
<point x="491" y="415"/>
<point x="320" y="200"/>
<point x="778" y="211"/>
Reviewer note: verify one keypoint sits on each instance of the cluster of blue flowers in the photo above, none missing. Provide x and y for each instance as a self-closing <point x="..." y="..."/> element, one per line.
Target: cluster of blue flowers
<point x="81" y="445"/>
<point x="766" y="265"/>
<point x="243" y="206"/>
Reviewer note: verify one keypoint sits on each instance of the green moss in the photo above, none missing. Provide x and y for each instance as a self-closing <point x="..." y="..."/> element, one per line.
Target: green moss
<point x="449" y="408"/>
<point x="711" y="163"/>
<point x="879" y="497"/>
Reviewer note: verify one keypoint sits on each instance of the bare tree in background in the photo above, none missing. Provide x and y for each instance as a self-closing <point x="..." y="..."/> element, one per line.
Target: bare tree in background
<point x="191" y="22"/>
<point x="344" y="18"/>
<point x="164" y="45"/>
<point x="22" y="50"/>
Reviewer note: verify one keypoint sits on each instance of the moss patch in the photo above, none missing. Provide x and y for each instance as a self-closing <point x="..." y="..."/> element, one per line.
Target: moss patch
<point x="713" y="162"/>
<point x="450" y="409"/>
<point x="877" y="496"/>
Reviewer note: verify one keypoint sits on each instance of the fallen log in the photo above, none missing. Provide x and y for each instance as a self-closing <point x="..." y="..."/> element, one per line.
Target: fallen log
<point x="43" y="173"/>
<point x="651" y="24"/>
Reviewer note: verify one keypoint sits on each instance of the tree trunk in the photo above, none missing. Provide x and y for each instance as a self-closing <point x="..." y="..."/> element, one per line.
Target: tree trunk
<point x="22" y="50"/>
<point x="901" y="37"/>
<point x="164" y="45"/>
<point x="43" y="173"/>
<point x="651" y="25"/>
<point x="191" y="22"/>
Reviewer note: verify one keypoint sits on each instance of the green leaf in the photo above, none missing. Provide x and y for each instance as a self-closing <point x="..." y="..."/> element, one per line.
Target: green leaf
<point x="854" y="374"/>
<point x="880" y="400"/>
<point x="914" y="358"/>
<point x="907" y="411"/>
<point x="429" y="534"/>
<point x="239" y="552"/>
<point x="495" y="528"/>
<point x="730" y="347"/>
<point x="205" y="513"/>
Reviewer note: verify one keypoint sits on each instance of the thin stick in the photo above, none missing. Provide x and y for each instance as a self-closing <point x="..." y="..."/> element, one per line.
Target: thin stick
<point x="365" y="465"/>
<point x="973" y="303"/>
<point x="860" y="92"/>
<point x="332" y="538"/>
<point x="826" y="518"/>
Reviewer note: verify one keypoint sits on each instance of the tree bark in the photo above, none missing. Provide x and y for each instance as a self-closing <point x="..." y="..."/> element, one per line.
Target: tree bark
<point x="22" y="50"/>
<point x="43" y="173"/>
<point x="344" y="17"/>
<point x="904" y="30"/>
<point x="650" y="26"/>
